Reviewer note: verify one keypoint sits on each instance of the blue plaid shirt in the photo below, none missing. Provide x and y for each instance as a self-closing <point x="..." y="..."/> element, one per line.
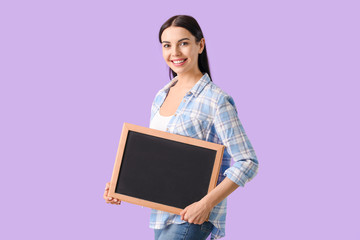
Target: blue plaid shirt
<point x="208" y="113"/>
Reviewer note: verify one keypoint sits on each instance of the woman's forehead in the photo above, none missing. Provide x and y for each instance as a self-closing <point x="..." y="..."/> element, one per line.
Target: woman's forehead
<point x="174" y="34"/>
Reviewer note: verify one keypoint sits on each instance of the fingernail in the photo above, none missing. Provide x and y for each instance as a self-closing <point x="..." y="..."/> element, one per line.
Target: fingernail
<point x="115" y="200"/>
<point x="110" y="198"/>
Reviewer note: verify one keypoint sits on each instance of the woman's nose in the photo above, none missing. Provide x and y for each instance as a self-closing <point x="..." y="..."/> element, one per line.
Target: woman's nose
<point x="175" y="51"/>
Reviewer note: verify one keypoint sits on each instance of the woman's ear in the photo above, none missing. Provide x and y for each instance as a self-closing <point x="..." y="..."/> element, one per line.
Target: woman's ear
<point x="202" y="45"/>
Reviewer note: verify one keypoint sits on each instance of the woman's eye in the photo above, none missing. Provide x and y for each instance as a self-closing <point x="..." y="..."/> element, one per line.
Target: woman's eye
<point x="166" y="45"/>
<point x="183" y="43"/>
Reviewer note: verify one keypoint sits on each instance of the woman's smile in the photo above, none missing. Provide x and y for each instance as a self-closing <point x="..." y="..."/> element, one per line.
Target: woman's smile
<point x="178" y="62"/>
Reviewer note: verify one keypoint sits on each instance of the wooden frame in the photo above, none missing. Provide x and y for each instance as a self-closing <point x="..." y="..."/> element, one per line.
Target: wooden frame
<point x="127" y="127"/>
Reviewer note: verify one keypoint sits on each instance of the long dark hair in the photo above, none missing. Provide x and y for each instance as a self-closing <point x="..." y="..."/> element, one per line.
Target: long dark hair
<point x="189" y="23"/>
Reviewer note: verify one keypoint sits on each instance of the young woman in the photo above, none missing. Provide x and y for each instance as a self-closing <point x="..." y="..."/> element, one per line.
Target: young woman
<point x="192" y="105"/>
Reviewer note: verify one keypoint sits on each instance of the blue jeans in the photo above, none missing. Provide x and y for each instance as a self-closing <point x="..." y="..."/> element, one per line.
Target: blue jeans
<point x="184" y="231"/>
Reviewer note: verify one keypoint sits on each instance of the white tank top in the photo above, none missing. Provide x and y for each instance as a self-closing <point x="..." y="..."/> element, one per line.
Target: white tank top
<point x="160" y="122"/>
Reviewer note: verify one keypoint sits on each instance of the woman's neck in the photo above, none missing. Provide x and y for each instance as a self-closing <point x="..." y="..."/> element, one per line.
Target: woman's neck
<point x="188" y="80"/>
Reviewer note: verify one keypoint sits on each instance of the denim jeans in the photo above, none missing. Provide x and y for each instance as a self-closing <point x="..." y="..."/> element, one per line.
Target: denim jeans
<point x="184" y="231"/>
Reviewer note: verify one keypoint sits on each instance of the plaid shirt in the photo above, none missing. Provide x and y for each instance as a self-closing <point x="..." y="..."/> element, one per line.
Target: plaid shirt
<point x="208" y="113"/>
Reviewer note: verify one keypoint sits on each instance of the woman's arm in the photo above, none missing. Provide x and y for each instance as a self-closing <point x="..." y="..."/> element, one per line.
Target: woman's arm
<point x="228" y="128"/>
<point x="199" y="211"/>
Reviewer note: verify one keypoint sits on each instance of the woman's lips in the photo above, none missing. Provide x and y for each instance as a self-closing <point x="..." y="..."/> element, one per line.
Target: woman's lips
<point x="178" y="63"/>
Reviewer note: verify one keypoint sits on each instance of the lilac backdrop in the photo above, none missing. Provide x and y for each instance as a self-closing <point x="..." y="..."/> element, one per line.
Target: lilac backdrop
<point x="72" y="72"/>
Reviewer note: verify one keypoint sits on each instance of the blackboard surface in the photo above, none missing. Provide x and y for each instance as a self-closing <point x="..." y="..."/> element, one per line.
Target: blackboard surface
<point x="164" y="171"/>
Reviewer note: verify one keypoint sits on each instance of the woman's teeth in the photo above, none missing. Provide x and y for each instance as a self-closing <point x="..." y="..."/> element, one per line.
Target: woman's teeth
<point x="179" y="61"/>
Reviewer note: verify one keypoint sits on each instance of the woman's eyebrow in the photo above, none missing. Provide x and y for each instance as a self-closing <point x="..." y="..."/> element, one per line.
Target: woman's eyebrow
<point x="178" y="41"/>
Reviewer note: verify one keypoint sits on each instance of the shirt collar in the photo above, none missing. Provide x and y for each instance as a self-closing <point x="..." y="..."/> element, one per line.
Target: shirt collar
<point x="196" y="89"/>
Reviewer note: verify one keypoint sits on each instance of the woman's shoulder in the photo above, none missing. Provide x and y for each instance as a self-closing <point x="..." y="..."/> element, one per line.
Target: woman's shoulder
<point x="216" y="93"/>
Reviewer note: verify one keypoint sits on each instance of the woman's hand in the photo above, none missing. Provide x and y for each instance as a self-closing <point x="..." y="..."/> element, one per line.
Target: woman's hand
<point x="108" y="199"/>
<point x="196" y="213"/>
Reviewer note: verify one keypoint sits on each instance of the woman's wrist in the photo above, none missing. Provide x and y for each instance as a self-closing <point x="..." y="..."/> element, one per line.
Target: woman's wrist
<point x="208" y="202"/>
<point x="219" y="193"/>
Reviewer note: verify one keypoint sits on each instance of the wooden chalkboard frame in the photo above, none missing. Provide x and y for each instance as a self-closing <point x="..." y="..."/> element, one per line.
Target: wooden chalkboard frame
<point x="169" y="136"/>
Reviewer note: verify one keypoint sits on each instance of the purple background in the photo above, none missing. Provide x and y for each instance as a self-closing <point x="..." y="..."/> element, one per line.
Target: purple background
<point x="72" y="72"/>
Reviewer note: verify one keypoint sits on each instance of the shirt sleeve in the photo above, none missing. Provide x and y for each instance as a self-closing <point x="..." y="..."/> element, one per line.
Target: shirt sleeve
<point x="232" y="135"/>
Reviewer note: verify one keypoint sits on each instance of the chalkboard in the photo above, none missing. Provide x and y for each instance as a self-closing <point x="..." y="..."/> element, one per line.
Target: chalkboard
<point x="162" y="170"/>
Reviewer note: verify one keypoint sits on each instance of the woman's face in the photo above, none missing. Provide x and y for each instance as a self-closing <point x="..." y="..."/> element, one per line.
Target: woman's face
<point x="180" y="50"/>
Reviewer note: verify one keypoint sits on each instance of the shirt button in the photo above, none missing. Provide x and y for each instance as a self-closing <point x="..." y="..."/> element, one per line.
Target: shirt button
<point x="167" y="129"/>
<point x="175" y="114"/>
<point x="184" y="100"/>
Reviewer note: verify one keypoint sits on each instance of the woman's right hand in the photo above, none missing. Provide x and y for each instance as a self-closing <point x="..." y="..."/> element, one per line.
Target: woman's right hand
<point x="108" y="199"/>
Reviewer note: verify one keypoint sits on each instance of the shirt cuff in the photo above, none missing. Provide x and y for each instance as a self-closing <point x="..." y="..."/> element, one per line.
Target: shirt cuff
<point x="241" y="172"/>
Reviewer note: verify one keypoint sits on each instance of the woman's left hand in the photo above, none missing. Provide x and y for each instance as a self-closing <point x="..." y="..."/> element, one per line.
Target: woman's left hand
<point x="196" y="213"/>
